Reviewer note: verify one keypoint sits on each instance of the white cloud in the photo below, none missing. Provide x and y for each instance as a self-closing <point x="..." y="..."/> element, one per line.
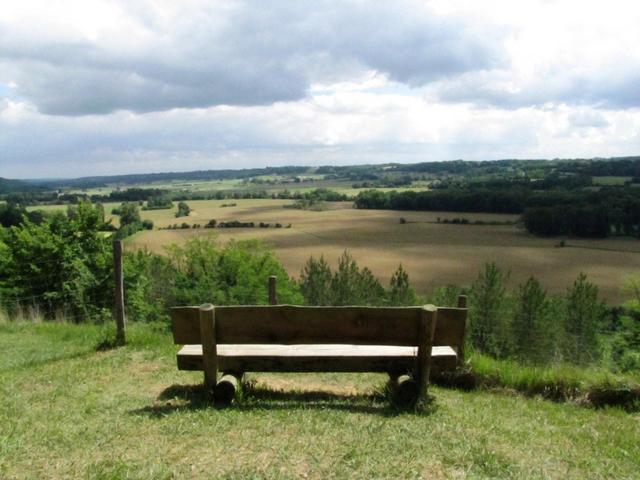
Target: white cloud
<point x="91" y="86"/>
<point x="238" y="53"/>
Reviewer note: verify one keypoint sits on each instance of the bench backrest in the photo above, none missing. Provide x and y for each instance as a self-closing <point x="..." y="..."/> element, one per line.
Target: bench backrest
<point x="450" y="329"/>
<point x="288" y="324"/>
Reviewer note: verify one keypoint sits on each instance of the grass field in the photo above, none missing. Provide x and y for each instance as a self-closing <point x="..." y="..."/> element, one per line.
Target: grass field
<point x="69" y="411"/>
<point x="611" y="180"/>
<point x="433" y="254"/>
<point x="280" y="184"/>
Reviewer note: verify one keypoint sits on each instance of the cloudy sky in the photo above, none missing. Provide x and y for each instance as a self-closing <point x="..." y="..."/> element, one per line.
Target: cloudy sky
<point x="90" y="87"/>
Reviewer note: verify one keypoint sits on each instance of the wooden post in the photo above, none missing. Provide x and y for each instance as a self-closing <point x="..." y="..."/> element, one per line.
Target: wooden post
<point x="462" y="301"/>
<point x="426" y="328"/>
<point x="227" y="386"/>
<point x="209" y="347"/>
<point x="119" y="284"/>
<point x="406" y="389"/>
<point x="273" y="298"/>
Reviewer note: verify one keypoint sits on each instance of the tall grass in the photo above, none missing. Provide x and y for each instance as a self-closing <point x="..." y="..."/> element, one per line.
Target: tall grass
<point x="591" y="385"/>
<point x="22" y="313"/>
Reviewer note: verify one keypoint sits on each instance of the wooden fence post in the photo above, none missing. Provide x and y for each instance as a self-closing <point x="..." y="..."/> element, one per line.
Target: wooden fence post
<point x="119" y="284"/>
<point x="273" y="297"/>
<point x="462" y="301"/>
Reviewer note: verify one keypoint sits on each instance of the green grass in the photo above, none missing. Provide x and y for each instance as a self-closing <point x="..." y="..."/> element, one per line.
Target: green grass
<point x="611" y="180"/>
<point x="589" y="386"/>
<point x="69" y="411"/>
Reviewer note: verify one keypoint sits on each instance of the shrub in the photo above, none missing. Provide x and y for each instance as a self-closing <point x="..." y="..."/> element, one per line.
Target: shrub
<point x="183" y="210"/>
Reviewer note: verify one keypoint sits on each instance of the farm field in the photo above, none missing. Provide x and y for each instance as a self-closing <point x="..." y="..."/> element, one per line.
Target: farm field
<point x="434" y="254"/>
<point x="240" y="185"/>
<point x="70" y="411"/>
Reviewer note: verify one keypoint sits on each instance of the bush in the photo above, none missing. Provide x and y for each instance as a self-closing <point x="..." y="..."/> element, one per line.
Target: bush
<point x="183" y="210"/>
<point x="234" y="274"/>
<point x="61" y="265"/>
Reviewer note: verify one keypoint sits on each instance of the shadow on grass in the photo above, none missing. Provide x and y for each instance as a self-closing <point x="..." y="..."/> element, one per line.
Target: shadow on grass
<point x="177" y="398"/>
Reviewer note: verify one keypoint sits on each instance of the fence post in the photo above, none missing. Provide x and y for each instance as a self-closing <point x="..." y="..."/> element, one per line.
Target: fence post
<point x="273" y="298"/>
<point x="462" y="301"/>
<point x="119" y="284"/>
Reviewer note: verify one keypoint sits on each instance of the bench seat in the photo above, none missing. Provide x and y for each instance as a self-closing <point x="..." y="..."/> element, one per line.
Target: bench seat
<point x="316" y="358"/>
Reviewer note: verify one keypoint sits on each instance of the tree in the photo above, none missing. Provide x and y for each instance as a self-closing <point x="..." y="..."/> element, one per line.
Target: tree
<point x="158" y="203"/>
<point x="315" y="282"/>
<point x="233" y="274"/>
<point x="352" y="286"/>
<point x="533" y="338"/>
<point x="584" y="314"/>
<point x="487" y="316"/>
<point x="63" y="264"/>
<point x="129" y="214"/>
<point x="626" y="345"/>
<point x="11" y="214"/>
<point x="400" y="290"/>
<point x="183" y="210"/>
<point x="446" y="296"/>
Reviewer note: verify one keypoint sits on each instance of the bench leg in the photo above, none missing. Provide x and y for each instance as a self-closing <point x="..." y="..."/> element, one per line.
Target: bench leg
<point x="227" y="386"/>
<point x="427" y="324"/>
<point x="209" y="348"/>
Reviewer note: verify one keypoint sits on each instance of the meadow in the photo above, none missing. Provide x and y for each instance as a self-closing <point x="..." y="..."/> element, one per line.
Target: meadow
<point x="268" y="183"/>
<point x="434" y="254"/>
<point x="72" y="411"/>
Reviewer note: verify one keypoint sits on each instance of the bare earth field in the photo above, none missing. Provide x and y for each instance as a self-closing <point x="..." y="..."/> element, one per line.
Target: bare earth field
<point x="433" y="254"/>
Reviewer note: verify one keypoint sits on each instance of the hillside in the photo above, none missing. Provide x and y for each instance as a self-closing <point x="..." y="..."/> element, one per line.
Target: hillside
<point x="9" y="186"/>
<point x="71" y="411"/>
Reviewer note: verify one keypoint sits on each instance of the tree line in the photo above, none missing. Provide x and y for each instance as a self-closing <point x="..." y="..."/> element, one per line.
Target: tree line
<point x="564" y="212"/>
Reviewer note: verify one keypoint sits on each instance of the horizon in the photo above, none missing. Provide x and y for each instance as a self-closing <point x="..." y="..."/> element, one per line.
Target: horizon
<point x="177" y="172"/>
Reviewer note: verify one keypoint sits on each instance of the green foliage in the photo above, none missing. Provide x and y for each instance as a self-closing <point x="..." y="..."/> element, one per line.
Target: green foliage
<point x="626" y="345"/>
<point x="446" y="296"/>
<point x="63" y="264"/>
<point x="315" y="282"/>
<point x="148" y="286"/>
<point x="584" y="315"/>
<point x="11" y="214"/>
<point x="400" y="290"/>
<point x="489" y="330"/>
<point x="349" y="285"/>
<point x="129" y="214"/>
<point x="159" y="203"/>
<point x="533" y="335"/>
<point x="352" y="285"/>
<point x="130" y="222"/>
<point x="233" y="274"/>
<point x="183" y="210"/>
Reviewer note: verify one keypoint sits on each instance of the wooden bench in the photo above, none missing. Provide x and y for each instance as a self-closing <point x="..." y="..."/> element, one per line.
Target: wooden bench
<point x="286" y="338"/>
